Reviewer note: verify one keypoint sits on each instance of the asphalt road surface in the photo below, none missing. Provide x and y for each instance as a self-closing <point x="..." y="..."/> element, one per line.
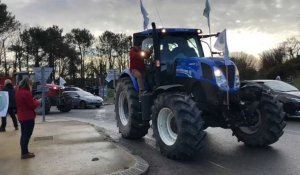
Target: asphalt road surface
<point x="222" y="154"/>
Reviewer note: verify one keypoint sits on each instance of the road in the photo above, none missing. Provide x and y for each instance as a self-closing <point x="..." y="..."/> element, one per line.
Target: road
<point x="222" y="155"/>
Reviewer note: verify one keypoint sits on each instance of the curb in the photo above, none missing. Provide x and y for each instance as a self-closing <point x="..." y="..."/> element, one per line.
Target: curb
<point x="140" y="167"/>
<point x="105" y="104"/>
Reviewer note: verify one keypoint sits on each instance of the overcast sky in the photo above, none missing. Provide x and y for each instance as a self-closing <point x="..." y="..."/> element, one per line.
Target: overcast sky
<point x="252" y="25"/>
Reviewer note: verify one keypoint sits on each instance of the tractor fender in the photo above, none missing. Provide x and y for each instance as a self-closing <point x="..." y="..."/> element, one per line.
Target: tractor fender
<point x="147" y="99"/>
<point x="127" y="73"/>
<point x="251" y="91"/>
<point x="168" y="88"/>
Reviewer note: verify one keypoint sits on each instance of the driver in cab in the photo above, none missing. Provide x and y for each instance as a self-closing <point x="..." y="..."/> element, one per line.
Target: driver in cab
<point x="137" y="65"/>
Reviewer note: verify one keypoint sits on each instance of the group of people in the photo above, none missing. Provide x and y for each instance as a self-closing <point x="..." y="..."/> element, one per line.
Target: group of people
<point x="24" y="104"/>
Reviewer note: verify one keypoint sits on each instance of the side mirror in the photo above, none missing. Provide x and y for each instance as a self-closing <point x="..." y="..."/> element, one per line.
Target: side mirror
<point x="76" y="96"/>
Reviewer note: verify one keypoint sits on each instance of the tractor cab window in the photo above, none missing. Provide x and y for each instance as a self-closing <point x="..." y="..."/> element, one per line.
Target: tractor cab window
<point x="173" y="47"/>
<point x="180" y="46"/>
<point x="147" y="44"/>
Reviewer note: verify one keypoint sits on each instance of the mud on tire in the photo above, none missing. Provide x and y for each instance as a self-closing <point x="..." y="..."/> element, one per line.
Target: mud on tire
<point x="187" y="136"/>
<point x="270" y="124"/>
<point x="131" y="126"/>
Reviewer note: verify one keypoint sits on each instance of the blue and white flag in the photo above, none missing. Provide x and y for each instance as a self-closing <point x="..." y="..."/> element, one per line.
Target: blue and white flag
<point x="206" y="13"/>
<point x="62" y="82"/>
<point x="221" y="44"/>
<point x="4" y="101"/>
<point x="145" y="15"/>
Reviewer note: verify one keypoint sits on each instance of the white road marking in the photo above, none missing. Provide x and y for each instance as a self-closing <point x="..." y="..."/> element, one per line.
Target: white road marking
<point x="218" y="165"/>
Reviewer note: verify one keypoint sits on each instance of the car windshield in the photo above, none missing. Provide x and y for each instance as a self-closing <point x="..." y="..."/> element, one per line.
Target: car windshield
<point x="280" y="86"/>
<point x="84" y="93"/>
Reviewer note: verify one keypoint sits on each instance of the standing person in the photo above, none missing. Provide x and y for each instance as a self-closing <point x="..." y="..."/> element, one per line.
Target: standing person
<point x="11" y="106"/>
<point x="137" y="65"/>
<point x="26" y="105"/>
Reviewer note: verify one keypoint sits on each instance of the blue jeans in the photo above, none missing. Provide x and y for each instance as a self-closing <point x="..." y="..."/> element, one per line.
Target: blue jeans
<point x="26" y="132"/>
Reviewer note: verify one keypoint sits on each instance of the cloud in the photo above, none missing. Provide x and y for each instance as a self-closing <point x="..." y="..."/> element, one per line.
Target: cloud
<point x="273" y="17"/>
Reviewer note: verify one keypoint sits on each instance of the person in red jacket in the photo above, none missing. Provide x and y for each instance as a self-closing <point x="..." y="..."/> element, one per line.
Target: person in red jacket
<point x="137" y="65"/>
<point x="26" y="105"/>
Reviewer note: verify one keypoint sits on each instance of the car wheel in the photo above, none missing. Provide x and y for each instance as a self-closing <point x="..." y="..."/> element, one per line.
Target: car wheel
<point x="82" y="105"/>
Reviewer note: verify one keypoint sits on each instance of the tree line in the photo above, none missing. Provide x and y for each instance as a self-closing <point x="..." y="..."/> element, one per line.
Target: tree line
<point x="283" y="61"/>
<point x="79" y="55"/>
<point x="74" y="55"/>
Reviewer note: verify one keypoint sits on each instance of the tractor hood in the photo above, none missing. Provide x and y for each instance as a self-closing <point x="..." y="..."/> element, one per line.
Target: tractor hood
<point x="193" y="67"/>
<point x="212" y="61"/>
<point x="204" y="69"/>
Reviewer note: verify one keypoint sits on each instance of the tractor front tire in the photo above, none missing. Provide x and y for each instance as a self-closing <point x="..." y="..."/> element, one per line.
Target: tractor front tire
<point x="130" y="123"/>
<point x="39" y="109"/>
<point x="269" y="127"/>
<point x="177" y="125"/>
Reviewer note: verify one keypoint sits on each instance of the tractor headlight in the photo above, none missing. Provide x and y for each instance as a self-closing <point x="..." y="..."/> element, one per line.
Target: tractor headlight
<point x="237" y="82"/>
<point x="220" y="79"/>
<point x="143" y="54"/>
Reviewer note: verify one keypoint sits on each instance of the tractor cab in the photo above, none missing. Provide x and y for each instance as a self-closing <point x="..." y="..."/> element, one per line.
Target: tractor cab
<point x="172" y="44"/>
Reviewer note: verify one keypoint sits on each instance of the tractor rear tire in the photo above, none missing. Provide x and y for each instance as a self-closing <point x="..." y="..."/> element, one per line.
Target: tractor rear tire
<point x="130" y="123"/>
<point x="177" y="125"/>
<point x="39" y="109"/>
<point x="269" y="127"/>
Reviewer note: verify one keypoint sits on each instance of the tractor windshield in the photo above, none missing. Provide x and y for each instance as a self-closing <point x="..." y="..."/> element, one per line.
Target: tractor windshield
<point x="179" y="46"/>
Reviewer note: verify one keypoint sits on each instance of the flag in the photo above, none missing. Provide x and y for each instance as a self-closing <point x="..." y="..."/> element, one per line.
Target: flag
<point x="145" y="15"/>
<point x="4" y="102"/>
<point x="221" y="44"/>
<point x="62" y="82"/>
<point x="206" y="12"/>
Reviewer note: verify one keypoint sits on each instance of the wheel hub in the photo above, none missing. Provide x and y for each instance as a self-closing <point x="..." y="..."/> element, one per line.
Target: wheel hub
<point x="254" y="128"/>
<point x="167" y="127"/>
<point x="123" y="108"/>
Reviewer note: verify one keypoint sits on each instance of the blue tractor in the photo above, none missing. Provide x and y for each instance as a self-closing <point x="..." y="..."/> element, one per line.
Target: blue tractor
<point x="188" y="92"/>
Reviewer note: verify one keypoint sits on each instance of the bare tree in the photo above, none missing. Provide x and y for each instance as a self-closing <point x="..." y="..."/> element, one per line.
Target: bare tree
<point x="246" y="64"/>
<point x="292" y="47"/>
<point x="8" y="24"/>
<point x="83" y="39"/>
<point x="107" y="43"/>
<point x="122" y="48"/>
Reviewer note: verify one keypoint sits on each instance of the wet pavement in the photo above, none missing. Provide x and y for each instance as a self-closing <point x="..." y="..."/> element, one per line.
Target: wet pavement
<point x="66" y="147"/>
<point x="222" y="153"/>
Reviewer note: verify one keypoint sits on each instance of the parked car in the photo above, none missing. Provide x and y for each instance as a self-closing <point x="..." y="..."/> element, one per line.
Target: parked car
<point x="82" y="99"/>
<point x="286" y="94"/>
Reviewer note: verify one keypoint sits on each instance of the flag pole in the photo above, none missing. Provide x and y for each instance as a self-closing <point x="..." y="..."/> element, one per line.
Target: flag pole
<point x="226" y="58"/>
<point x="206" y="13"/>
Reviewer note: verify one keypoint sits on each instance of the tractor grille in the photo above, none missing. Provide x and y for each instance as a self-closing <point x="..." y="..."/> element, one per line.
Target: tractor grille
<point x="207" y="72"/>
<point x="231" y="74"/>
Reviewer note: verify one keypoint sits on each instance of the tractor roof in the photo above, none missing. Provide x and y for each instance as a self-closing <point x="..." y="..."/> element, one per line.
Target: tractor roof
<point x="169" y="30"/>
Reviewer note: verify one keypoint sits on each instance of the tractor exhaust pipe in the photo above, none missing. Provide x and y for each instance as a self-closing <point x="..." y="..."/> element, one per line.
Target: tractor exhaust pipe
<point x="156" y="47"/>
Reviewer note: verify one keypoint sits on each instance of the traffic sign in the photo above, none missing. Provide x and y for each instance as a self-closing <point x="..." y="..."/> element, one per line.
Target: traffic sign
<point x="38" y="73"/>
<point x="112" y="74"/>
